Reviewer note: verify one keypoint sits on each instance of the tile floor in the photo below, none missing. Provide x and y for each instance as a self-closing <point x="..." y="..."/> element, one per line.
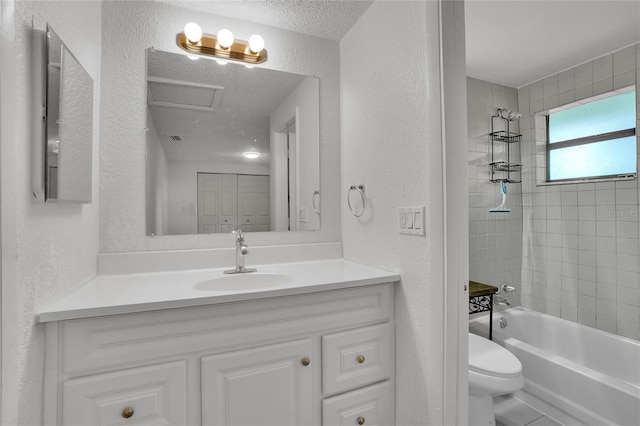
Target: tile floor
<point x="513" y="412"/>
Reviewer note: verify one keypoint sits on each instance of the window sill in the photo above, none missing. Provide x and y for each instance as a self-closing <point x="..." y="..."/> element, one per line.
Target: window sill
<point x="587" y="180"/>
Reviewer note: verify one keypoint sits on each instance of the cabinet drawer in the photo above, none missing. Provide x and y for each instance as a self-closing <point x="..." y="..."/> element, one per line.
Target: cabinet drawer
<point x="355" y="358"/>
<point x="150" y="395"/>
<point x="368" y="406"/>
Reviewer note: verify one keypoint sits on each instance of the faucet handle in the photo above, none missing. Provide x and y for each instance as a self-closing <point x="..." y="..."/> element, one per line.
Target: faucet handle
<point x="506" y="288"/>
<point x="239" y="234"/>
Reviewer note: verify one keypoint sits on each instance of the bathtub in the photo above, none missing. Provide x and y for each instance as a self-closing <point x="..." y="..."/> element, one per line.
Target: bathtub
<point x="576" y="374"/>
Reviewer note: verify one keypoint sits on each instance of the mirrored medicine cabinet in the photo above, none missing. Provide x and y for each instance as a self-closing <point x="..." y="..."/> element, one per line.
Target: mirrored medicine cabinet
<point x="63" y="111"/>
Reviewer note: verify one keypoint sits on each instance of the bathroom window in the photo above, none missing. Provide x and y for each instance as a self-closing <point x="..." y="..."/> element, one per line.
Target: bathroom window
<point x="593" y="140"/>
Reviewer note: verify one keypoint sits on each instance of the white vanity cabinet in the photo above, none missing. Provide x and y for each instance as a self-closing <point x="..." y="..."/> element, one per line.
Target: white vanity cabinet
<point x="322" y="358"/>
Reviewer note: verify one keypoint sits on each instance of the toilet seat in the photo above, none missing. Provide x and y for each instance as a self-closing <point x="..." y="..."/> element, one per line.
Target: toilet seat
<point x="489" y="358"/>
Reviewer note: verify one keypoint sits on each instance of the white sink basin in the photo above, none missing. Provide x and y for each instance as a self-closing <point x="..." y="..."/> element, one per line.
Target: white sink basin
<point x="246" y="281"/>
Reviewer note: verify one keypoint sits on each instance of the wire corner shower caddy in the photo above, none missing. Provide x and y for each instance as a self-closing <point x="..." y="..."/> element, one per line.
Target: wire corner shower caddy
<point x="502" y="168"/>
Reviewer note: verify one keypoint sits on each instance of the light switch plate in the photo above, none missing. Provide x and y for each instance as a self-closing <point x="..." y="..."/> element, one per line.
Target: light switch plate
<point x="411" y="220"/>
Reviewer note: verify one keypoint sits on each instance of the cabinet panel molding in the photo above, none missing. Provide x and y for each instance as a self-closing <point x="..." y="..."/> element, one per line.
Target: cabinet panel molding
<point x="354" y="358"/>
<point x="152" y="395"/>
<point x="370" y="406"/>
<point x="270" y="385"/>
<point x="91" y="345"/>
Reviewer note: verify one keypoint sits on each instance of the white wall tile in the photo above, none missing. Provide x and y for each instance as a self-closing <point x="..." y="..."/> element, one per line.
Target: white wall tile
<point x="629" y="296"/>
<point x="602" y="68"/>
<point x="606" y="260"/>
<point x="629" y="313"/>
<point x="606" y="307"/>
<point x="624" y="80"/>
<point x="606" y="276"/>
<point x="627" y="246"/>
<point x="628" y="329"/>
<point x="605" y="323"/>
<point x="627" y="263"/>
<point x="586" y="317"/>
<point x="586" y="198"/>
<point x="606" y="244"/>
<point x="580" y="242"/>
<point x="587" y="288"/>
<point x="605" y="229"/>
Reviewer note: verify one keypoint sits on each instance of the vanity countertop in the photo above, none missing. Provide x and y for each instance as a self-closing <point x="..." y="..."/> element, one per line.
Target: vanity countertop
<point x="122" y="294"/>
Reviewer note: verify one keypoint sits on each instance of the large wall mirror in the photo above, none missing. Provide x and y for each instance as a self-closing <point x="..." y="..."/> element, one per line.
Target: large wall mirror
<point x="64" y="110"/>
<point x="229" y="147"/>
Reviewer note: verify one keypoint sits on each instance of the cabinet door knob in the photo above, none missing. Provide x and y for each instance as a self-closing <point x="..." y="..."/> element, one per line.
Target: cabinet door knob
<point x="305" y="361"/>
<point x="127" y="412"/>
<point x="361" y="359"/>
<point x="360" y="420"/>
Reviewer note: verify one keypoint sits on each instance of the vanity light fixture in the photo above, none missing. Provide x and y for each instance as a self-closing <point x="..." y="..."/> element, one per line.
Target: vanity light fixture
<point x="222" y="45"/>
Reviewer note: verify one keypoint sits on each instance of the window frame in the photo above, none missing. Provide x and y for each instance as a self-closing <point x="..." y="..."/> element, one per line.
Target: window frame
<point x="586" y="140"/>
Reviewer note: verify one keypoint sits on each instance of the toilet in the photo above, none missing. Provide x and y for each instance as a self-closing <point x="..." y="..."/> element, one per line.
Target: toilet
<point x="493" y="370"/>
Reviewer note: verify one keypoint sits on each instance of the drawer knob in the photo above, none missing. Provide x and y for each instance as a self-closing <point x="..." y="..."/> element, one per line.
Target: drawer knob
<point x="305" y="361"/>
<point x="127" y="412"/>
<point x="361" y="359"/>
<point x="360" y="420"/>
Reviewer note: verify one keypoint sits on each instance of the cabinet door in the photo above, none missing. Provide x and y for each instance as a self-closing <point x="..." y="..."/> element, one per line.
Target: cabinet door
<point x="370" y="406"/>
<point x="247" y="202"/>
<point x="266" y="385"/>
<point x="153" y="395"/>
<point x="263" y="212"/>
<point x="227" y="202"/>
<point x="207" y="203"/>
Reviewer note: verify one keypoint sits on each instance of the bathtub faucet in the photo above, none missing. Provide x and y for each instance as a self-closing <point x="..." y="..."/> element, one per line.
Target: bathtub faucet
<point x="501" y="301"/>
<point x="241" y="250"/>
<point x="508" y="289"/>
<point x="503" y="297"/>
<point x="503" y="322"/>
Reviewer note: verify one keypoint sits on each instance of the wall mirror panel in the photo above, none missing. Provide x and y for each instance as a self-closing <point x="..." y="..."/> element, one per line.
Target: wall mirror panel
<point x="64" y="110"/>
<point x="229" y="147"/>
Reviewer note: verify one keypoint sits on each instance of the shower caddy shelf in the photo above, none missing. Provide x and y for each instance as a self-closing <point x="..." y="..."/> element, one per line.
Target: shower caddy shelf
<point x="505" y="170"/>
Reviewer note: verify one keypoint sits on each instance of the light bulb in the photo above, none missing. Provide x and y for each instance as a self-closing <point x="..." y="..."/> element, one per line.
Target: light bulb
<point x="251" y="154"/>
<point x="225" y="38"/>
<point x="193" y="32"/>
<point x="222" y="62"/>
<point x="193" y="57"/>
<point x="256" y="43"/>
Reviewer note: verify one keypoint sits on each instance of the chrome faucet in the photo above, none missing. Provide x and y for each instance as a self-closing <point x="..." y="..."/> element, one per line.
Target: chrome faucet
<point x="241" y="250"/>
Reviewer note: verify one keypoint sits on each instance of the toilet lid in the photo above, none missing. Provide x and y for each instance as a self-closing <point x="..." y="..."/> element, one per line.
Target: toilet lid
<point x="487" y="357"/>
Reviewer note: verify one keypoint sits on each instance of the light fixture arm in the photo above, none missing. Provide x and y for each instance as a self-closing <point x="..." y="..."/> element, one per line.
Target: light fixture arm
<point x="208" y="45"/>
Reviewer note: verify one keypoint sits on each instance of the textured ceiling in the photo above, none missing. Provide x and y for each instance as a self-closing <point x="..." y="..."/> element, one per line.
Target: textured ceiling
<point x="517" y="42"/>
<point x="326" y="19"/>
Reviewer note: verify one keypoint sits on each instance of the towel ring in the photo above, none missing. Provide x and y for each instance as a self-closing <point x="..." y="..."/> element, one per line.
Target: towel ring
<point x="360" y="189"/>
<point x="313" y="201"/>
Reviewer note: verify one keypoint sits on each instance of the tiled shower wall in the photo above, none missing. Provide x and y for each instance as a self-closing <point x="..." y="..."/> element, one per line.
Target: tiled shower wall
<point x="581" y="242"/>
<point x="495" y="239"/>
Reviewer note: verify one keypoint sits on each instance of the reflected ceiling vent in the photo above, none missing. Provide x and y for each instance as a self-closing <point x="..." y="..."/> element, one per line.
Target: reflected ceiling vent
<point x="176" y="138"/>
<point x="183" y="94"/>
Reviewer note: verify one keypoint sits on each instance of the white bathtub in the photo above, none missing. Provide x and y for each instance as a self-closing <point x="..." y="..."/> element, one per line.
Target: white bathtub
<point x="576" y="374"/>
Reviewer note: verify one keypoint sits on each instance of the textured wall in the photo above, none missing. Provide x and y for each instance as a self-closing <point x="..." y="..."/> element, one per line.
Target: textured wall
<point x="495" y="239"/>
<point x="131" y="27"/>
<point x="581" y="251"/>
<point x="391" y="143"/>
<point x="51" y="248"/>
